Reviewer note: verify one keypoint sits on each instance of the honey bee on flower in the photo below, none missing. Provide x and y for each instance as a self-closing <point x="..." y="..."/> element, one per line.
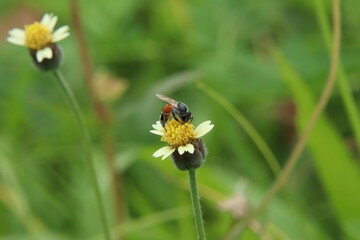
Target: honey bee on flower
<point x="184" y="140"/>
<point x="40" y="38"/>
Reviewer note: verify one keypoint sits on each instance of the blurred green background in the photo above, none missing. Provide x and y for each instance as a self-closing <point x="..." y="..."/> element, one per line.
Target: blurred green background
<point x="168" y="47"/>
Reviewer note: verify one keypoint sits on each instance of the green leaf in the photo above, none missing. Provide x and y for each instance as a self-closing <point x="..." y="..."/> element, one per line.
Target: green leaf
<point x="335" y="165"/>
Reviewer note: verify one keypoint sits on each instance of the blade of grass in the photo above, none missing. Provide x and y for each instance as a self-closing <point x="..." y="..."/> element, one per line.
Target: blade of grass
<point x="13" y="196"/>
<point x="142" y="223"/>
<point x="344" y="87"/>
<point x="246" y="125"/>
<point x="300" y="144"/>
<point x="338" y="172"/>
<point x="15" y="202"/>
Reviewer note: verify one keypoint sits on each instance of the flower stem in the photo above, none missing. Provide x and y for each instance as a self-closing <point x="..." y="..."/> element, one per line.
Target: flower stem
<point x="87" y="145"/>
<point x="195" y="200"/>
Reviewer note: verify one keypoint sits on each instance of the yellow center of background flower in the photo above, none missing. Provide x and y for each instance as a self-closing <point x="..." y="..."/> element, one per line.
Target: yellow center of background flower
<point x="37" y="36"/>
<point x="178" y="134"/>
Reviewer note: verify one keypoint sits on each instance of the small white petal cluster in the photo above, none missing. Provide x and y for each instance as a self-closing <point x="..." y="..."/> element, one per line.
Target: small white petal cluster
<point x="41" y="54"/>
<point x="18" y="36"/>
<point x="166" y="151"/>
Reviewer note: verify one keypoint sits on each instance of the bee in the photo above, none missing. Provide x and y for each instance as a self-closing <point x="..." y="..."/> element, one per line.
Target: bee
<point x="178" y="110"/>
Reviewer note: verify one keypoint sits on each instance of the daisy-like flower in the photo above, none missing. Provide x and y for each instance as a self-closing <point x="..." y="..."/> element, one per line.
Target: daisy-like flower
<point x="184" y="142"/>
<point x="40" y="39"/>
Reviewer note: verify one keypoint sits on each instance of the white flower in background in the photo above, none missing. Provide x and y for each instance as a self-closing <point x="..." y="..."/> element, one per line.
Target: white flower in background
<point x="39" y="36"/>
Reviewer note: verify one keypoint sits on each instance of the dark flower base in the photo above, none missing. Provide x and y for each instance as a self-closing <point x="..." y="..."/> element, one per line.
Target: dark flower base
<point x="188" y="161"/>
<point x="48" y="64"/>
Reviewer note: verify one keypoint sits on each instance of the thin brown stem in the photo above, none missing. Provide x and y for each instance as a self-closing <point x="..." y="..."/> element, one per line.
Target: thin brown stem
<point x="295" y="154"/>
<point x="100" y="109"/>
<point x="103" y="114"/>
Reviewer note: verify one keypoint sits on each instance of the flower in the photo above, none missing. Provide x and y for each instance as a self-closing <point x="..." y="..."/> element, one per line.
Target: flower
<point x="184" y="143"/>
<point x="40" y="38"/>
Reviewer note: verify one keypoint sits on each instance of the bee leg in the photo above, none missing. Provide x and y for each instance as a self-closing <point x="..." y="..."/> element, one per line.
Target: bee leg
<point x="163" y="124"/>
<point x="162" y="120"/>
<point x="176" y="117"/>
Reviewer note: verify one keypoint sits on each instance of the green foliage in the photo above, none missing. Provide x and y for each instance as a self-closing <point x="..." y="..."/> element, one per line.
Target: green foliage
<point x="167" y="47"/>
<point x="337" y="169"/>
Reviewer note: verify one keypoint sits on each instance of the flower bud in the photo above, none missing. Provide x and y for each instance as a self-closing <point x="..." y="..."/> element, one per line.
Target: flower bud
<point x="47" y="64"/>
<point x="188" y="160"/>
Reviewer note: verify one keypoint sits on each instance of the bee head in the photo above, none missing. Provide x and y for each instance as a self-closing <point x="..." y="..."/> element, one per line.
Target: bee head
<point x="182" y="107"/>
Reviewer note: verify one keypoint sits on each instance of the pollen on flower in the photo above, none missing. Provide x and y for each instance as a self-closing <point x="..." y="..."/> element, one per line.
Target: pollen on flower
<point x="178" y="134"/>
<point x="37" y="36"/>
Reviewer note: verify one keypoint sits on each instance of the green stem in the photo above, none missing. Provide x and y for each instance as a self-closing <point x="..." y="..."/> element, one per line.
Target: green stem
<point x="246" y="125"/>
<point x="87" y="145"/>
<point x="195" y="200"/>
<point x="343" y="82"/>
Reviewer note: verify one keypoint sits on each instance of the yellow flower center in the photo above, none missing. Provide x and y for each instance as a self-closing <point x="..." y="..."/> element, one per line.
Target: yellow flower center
<point x="178" y="134"/>
<point x="37" y="36"/>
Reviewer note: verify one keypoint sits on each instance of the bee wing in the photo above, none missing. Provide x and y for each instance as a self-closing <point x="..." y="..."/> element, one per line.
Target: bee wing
<point x="168" y="100"/>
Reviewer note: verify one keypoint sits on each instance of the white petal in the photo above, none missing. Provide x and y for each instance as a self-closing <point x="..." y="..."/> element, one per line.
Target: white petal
<point x="39" y="56"/>
<point x="61" y="30"/>
<point x="52" y="23"/>
<point x="168" y="153"/>
<point x="189" y="148"/>
<point x="181" y="150"/>
<point x="202" y="125"/>
<point x="46" y="20"/>
<point x="47" y="53"/>
<point x="60" y="34"/>
<point x="17" y="33"/>
<point x="158" y="126"/>
<point x="44" y="53"/>
<point x="16" y="41"/>
<point x="203" y="129"/>
<point x="157" y="132"/>
<point x="162" y="151"/>
<point x="158" y="123"/>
